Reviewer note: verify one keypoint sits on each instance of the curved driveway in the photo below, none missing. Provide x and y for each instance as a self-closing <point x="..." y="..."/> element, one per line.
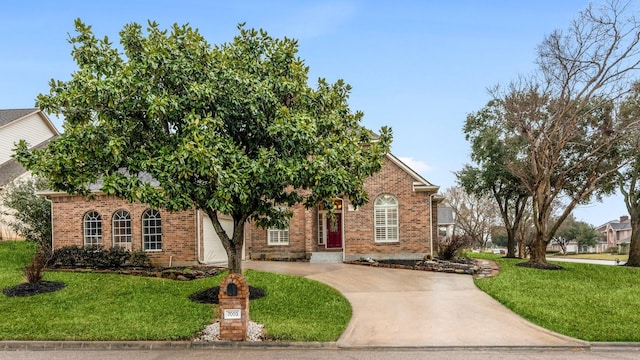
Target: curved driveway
<point x="408" y="308"/>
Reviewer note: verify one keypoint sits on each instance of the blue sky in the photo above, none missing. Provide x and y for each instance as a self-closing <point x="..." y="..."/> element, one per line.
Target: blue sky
<point x="418" y="66"/>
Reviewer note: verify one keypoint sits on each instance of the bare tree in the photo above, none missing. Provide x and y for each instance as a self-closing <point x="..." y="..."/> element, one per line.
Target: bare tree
<point x="475" y="216"/>
<point x="562" y="121"/>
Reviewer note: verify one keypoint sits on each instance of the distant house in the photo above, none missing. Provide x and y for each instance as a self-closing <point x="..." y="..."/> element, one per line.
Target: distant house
<point x="616" y="233"/>
<point x="399" y="222"/>
<point x="446" y="222"/>
<point x="31" y="125"/>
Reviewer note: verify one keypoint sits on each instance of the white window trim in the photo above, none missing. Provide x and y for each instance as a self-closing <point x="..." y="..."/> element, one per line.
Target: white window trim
<point x="96" y="221"/>
<point x="386" y="226"/>
<point x="278" y="237"/>
<point x="117" y="238"/>
<point x="144" y="230"/>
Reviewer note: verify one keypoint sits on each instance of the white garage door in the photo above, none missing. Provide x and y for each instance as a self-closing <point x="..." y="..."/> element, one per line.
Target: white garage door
<point x="213" y="250"/>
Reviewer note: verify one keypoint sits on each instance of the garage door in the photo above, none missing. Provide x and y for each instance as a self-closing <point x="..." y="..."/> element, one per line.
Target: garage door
<point x="213" y="250"/>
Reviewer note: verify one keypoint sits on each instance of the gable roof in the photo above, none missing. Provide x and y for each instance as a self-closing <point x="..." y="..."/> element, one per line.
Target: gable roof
<point x="11" y="169"/>
<point x="419" y="183"/>
<point x="8" y="116"/>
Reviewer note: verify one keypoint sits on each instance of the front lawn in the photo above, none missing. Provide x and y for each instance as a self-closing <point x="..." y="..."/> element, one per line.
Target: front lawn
<point x="122" y="307"/>
<point x="588" y="302"/>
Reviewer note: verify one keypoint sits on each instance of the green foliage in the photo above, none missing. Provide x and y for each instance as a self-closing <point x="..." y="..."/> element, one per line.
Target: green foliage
<point x="583" y="233"/>
<point x="32" y="213"/>
<point x="588" y="307"/>
<point x="98" y="257"/>
<point x="113" y="307"/>
<point x="232" y="129"/>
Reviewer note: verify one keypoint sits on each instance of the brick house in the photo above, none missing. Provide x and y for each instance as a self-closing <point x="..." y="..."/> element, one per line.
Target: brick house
<point x="615" y="233"/>
<point x="169" y="238"/>
<point x="400" y="222"/>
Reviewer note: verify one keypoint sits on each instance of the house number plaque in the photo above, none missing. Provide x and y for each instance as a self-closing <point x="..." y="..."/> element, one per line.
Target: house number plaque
<point x="232" y="314"/>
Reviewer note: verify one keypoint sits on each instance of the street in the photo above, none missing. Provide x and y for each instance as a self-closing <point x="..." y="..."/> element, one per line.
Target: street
<point x="325" y="354"/>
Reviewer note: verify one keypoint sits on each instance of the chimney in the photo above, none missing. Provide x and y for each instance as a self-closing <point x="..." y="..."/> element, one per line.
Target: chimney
<point x="624" y="218"/>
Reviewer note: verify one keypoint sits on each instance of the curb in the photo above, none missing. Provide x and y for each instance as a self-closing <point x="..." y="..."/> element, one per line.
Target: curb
<point x="157" y="345"/>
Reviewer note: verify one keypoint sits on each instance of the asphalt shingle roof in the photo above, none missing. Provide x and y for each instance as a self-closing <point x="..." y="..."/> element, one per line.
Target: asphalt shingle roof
<point x="9" y="115"/>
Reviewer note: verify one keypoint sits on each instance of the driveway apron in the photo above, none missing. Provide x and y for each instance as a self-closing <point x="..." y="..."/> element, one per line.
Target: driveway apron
<point x="408" y="308"/>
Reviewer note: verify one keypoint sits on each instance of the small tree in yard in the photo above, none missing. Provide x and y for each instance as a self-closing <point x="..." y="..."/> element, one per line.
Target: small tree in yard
<point x="30" y="214"/>
<point x="231" y="129"/>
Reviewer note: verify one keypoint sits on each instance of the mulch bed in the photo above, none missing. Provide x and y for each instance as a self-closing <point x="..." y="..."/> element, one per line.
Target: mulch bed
<point x="210" y="295"/>
<point x="28" y="289"/>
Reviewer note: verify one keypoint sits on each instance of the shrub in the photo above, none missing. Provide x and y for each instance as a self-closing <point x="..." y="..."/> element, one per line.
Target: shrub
<point x="98" y="257"/>
<point x="33" y="272"/>
<point x="450" y="248"/>
<point x="139" y="258"/>
<point x="612" y="250"/>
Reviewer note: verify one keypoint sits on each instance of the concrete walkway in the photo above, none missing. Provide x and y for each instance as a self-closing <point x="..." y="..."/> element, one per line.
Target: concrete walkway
<point x="409" y="308"/>
<point x="587" y="261"/>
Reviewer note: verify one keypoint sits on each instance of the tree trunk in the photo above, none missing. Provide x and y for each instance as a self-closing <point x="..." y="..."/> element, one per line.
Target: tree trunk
<point x="634" y="246"/>
<point x="538" y="253"/>
<point x="511" y="242"/>
<point x="235" y="254"/>
<point x="232" y="245"/>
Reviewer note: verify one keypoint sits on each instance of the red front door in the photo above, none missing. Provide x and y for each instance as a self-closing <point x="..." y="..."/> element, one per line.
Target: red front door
<point x="334" y="231"/>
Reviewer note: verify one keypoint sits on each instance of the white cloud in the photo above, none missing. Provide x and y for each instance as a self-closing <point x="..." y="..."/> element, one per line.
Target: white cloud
<point x="417" y="165"/>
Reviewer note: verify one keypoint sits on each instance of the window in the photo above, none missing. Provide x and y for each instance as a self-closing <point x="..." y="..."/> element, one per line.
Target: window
<point x="151" y="230"/>
<point x="278" y="236"/>
<point x="92" y="223"/>
<point x="386" y="218"/>
<point x="121" y="229"/>
<point x="321" y="224"/>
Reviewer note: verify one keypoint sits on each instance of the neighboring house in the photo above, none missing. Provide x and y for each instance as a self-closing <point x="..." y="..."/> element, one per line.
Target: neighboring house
<point x="400" y="221"/>
<point x="615" y="233"/>
<point x="31" y="125"/>
<point x="446" y="222"/>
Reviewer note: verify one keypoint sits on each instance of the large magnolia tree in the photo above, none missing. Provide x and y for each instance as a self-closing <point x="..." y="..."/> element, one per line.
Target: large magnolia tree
<point x="230" y="129"/>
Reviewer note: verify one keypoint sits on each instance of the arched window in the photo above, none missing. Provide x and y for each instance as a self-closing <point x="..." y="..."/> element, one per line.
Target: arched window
<point x="92" y="224"/>
<point x="121" y="229"/>
<point x="151" y="230"/>
<point x="386" y="218"/>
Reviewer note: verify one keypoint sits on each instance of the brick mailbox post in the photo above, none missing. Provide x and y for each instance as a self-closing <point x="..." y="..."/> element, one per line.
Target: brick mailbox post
<point x="234" y="308"/>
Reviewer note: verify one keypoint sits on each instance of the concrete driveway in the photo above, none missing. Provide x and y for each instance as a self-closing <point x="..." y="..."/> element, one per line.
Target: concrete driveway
<point x="408" y="308"/>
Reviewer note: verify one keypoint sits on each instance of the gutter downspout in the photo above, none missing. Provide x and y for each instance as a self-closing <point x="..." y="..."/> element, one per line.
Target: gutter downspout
<point x="198" y="236"/>
<point x="431" y="224"/>
<point x="51" y="206"/>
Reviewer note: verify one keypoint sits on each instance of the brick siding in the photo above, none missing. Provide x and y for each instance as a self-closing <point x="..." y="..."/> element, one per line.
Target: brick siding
<point x="358" y="239"/>
<point x="179" y="239"/>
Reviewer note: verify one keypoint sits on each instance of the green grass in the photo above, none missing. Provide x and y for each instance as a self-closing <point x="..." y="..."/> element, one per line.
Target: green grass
<point x="298" y="309"/>
<point x="120" y="307"/>
<point x="588" y="302"/>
